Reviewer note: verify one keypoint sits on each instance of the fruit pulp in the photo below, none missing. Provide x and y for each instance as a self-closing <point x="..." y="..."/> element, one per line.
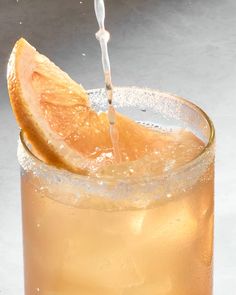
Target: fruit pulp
<point x="79" y="241"/>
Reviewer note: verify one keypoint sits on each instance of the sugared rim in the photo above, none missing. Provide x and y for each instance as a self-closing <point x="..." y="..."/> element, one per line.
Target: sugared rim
<point x="192" y="163"/>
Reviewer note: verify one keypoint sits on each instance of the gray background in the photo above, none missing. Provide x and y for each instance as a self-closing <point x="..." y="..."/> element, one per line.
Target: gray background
<point x="182" y="46"/>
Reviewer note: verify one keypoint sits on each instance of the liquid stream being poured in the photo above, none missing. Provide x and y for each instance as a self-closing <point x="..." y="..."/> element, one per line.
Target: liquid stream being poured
<point x="103" y="37"/>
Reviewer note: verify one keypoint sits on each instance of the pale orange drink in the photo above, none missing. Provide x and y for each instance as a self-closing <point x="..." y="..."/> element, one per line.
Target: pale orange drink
<point x="95" y="225"/>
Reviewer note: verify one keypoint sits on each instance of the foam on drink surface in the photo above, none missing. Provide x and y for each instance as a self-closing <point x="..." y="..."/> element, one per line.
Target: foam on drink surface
<point x="179" y="147"/>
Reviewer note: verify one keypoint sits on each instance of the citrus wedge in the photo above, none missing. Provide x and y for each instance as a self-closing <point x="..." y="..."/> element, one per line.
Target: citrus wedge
<point x="55" y="115"/>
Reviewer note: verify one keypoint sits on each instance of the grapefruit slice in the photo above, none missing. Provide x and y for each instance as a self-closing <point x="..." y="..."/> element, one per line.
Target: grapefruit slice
<point x="55" y="114"/>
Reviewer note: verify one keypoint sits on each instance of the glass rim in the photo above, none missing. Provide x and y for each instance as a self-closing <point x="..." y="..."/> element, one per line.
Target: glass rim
<point x="185" y="167"/>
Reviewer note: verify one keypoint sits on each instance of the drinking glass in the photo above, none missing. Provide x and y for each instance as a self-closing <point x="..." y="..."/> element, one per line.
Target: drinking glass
<point x="144" y="235"/>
